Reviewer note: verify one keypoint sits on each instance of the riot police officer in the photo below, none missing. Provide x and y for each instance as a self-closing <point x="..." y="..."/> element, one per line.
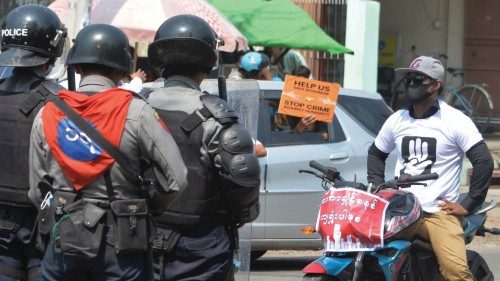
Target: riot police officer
<point x="90" y="191"/>
<point x="197" y="232"/>
<point x="32" y="38"/>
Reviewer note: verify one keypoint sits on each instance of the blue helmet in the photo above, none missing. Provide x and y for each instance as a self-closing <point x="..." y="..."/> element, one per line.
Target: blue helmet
<point x="254" y="62"/>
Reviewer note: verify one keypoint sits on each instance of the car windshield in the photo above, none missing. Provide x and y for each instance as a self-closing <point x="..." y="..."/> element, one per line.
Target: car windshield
<point x="370" y="113"/>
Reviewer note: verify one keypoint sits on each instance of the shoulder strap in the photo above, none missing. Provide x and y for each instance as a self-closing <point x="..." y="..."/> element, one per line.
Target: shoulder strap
<point x="91" y="132"/>
<point x="43" y="92"/>
<point x="214" y="107"/>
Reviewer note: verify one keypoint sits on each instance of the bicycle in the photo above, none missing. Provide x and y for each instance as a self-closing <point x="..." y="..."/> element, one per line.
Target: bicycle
<point x="472" y="99"/>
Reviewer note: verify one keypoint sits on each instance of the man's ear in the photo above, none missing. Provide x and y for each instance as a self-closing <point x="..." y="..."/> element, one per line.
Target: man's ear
<point x="439" y="86"/>
<point x="435" y="87"/>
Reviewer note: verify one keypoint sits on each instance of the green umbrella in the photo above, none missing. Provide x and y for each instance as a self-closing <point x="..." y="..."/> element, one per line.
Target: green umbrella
<point x="277" y="23"/>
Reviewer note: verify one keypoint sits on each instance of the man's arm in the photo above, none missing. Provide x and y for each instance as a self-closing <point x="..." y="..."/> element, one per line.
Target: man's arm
<point x="376" y="165"/>
<point x="37" y="161"/>
<point x="482" y="169"/>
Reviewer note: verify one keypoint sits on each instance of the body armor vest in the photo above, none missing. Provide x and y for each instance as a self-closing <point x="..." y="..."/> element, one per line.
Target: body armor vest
<point x="15" y="128"/>
<point x="200" y="202"/>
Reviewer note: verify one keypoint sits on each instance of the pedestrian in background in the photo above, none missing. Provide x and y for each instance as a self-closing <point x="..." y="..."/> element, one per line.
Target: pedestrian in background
<point x="287" y="61"/>
<point x="253" y="65"/>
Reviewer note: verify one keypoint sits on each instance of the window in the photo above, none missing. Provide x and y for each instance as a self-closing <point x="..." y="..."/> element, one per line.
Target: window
<point x="279" y="127"/>
<point x="369" y="113"/>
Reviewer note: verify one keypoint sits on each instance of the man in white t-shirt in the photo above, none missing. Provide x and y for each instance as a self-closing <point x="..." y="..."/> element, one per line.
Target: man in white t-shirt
<point x="432" y="137"/>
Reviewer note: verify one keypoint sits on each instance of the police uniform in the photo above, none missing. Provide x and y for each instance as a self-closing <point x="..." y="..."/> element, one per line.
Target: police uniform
<point x="26" y="35"/>
<point x="208" y="240"/>
<point x="143" y="138"/>
<point x="197" y="232"/>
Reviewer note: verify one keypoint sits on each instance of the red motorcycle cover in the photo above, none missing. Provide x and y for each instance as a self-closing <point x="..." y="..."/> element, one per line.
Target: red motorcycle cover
<point x="351" y="220"/>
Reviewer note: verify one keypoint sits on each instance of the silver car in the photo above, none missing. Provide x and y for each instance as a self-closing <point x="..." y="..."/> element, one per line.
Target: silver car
<point x="289" y="200"/>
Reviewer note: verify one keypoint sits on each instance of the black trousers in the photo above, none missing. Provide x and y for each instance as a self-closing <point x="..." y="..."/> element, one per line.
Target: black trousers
<point x="19" y="259"/>
<point x="205" y="255"/>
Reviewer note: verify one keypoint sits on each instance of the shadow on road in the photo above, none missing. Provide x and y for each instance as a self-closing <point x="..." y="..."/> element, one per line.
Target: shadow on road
<point x="280" y="263"/>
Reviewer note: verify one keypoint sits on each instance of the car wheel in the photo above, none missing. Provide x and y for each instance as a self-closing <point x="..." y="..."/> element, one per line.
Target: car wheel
<point x="318" y="277"/>
<point x="257" y="254"/>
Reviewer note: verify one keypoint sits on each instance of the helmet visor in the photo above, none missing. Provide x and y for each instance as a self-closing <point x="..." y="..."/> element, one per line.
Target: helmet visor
<point x="59" y="70"/>
<point x="5" y="71"/>
<point x="219" y="43"/>
<point x="21" y="58"/>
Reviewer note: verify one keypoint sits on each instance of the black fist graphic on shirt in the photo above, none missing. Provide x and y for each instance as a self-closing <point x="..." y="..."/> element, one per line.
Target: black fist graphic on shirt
<point x="419" y="154"/>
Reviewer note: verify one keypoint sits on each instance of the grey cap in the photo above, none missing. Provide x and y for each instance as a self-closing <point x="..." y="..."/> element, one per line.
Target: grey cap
<point x="425" y="65"/>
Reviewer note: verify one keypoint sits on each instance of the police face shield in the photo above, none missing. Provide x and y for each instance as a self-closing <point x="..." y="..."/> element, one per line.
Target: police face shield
<point x="21" y="58"/>
<point x="243" y="96"/>
<point x="58" y="71"/>
<point x="5" y="71"/>
<point x="219" y="43"/>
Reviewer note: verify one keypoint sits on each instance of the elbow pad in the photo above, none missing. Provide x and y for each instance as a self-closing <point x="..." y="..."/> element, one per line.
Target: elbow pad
<point x="239" y="173"/>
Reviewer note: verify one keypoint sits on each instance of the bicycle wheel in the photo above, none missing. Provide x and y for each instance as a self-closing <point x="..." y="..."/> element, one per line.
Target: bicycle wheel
<point x="479" y="105"/>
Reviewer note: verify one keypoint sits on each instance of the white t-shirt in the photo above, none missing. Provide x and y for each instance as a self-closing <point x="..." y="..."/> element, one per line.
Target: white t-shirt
<point x="436" y="144"/>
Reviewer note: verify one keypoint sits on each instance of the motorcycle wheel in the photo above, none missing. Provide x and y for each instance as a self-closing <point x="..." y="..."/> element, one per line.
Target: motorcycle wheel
<point x="318" y="277"/>
<point x="478" y="267"/>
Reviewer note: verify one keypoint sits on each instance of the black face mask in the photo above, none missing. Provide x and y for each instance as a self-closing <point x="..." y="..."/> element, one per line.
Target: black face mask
<point x="418" y="94"/>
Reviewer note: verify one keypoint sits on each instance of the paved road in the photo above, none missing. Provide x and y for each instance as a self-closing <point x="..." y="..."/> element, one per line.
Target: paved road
<point x="287" y="265"/>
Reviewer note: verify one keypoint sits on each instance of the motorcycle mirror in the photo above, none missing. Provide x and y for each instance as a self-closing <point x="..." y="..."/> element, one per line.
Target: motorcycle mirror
<point x="495" y="231"/>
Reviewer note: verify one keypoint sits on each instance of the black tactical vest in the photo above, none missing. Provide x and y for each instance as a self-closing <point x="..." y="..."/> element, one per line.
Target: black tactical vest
<point x="200" y="202"/>
<point x="15" y="129"/>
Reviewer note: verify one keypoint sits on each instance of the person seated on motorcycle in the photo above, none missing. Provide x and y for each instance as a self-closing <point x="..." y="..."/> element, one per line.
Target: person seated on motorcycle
<point x="254" y="65"/>
<point x="432" y="137"/>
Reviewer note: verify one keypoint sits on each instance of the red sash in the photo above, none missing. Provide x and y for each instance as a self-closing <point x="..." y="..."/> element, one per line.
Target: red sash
<point x="80" y="158"/>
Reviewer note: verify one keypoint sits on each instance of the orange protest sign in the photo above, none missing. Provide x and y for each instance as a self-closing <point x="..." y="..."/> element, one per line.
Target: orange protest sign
<point x="301" y="97"/>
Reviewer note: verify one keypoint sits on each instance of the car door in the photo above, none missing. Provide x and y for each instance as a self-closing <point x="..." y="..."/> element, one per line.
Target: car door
<point x="292" y="198"/>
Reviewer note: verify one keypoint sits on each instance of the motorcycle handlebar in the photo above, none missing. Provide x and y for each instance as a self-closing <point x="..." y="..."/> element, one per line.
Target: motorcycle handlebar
<point x="315" y="165"/>
<point x="424" y="177"/>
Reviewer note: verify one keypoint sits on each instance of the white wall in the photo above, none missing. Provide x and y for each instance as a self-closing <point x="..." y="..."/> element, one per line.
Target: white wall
<point x="362" y="30"/>
<point x="424" y="25"/>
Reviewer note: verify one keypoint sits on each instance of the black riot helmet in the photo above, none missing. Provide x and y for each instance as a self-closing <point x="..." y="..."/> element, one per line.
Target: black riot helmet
<point x="184" y="39"/>
<point x="101" y="44"/>
<point x="31" y="36"/>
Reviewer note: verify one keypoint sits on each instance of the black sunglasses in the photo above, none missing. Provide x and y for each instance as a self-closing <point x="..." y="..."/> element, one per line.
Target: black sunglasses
<point x="418" y="80"/>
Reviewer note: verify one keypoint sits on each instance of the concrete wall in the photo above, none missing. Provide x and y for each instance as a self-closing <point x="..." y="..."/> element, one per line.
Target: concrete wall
<point x="425" y="27"/>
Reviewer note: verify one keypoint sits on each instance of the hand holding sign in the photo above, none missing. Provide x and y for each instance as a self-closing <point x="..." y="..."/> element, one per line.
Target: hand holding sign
<point x="305" y="124"/>
<point x="308" y="98"/>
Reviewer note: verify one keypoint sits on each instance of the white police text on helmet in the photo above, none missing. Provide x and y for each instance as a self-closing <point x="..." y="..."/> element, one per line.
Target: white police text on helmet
<point x="15" y="32"/>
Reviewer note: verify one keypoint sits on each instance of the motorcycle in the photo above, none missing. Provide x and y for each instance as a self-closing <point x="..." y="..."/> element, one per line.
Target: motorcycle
<point x="399" y="256"/>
